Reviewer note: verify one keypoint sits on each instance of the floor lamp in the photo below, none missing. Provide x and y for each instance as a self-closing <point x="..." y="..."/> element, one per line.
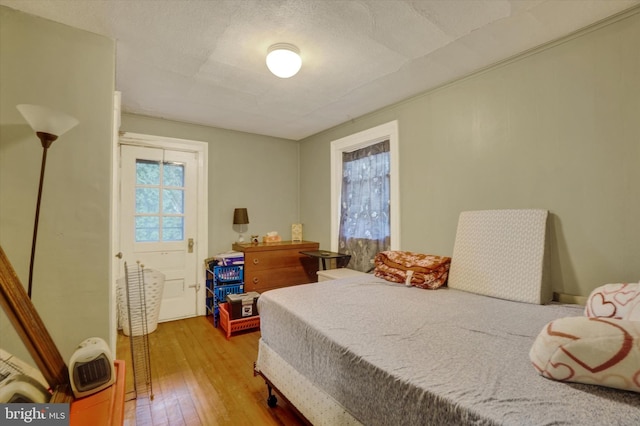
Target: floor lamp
<point x="48" y="125"/>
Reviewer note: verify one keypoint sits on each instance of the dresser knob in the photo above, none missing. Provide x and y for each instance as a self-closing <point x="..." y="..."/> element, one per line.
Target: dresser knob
<point x="255" y="261"/>
<point x="255" y="280"/>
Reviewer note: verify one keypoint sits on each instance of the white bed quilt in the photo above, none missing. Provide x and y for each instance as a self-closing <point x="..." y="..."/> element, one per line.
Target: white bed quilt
<point x="391" y="354"/>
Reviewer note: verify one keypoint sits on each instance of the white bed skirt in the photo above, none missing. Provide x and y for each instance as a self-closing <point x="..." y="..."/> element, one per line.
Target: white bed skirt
<point x="316" y="405"/>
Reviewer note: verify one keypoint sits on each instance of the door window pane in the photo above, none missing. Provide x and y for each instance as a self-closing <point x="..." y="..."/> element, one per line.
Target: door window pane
<point x="147" y="200"/>
<point x="172" y="228"/>
<point x="173" y="201"/>
<point x="173" y="174"/>
<point x="147" y="172"/>
<point x="147" y="229"/>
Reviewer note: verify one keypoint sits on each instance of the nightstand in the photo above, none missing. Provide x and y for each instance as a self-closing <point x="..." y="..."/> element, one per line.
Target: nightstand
<point x="342" y="260"/>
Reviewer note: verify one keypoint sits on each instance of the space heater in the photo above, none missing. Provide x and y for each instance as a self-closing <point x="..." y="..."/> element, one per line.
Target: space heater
<point x="91" y="368"/>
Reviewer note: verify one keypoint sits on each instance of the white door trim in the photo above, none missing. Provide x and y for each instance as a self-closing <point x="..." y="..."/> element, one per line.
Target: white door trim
<point x="202" y="241"/>
<point x="114" y="244"/>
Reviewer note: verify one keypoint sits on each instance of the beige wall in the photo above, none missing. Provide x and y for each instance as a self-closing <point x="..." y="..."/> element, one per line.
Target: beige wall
<point x="245" y="170"/>
<point x="47" y="63"/>
<point x="558" y="129"/>
<point x="71" y="277"/>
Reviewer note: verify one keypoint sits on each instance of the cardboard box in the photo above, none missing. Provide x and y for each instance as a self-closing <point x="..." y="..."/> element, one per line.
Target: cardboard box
<point x="243" y="305"/>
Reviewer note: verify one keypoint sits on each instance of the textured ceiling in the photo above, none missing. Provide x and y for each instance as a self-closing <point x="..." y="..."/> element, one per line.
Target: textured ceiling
<point x="203" y="61"/>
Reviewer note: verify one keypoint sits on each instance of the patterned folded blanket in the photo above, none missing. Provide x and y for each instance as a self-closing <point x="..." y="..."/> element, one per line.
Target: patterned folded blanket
<point x="417" y="269"/>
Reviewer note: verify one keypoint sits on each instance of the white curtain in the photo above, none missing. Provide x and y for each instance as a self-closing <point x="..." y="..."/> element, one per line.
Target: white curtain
<point x="365" y="204"/>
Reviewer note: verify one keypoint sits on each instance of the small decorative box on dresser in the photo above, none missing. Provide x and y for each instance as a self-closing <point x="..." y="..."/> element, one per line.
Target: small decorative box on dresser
<point x="274" y="265"/>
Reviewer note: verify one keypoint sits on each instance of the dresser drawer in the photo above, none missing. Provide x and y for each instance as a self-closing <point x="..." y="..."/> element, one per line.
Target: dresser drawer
<point x="268" y="279"/>
<point x="274" y="259"/>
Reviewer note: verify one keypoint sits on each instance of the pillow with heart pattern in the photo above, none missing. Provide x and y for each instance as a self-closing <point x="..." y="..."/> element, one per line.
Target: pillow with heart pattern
<point x="619" y="301"/>
<point x="598" y="351"/>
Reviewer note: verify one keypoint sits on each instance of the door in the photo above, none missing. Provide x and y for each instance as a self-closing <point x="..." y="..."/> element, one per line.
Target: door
<point x="158" y="221"/>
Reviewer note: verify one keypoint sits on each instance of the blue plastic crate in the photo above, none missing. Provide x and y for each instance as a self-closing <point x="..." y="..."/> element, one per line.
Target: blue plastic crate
<point x="222" y="291"/>
<point x="209" y="287"/>
<point x="228" y="274"/>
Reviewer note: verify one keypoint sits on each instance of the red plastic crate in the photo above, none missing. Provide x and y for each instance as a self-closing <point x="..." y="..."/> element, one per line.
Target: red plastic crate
<point x="230" y="326"/>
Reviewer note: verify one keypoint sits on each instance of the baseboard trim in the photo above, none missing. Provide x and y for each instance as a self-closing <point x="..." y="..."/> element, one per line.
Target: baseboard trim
<point x="569" y="298"/>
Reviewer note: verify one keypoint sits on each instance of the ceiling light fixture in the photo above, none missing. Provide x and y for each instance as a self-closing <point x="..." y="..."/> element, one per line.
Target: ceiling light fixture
<point x="283" y="60"/>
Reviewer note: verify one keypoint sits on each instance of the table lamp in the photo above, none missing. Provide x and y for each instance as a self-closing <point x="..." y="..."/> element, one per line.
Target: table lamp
<point x="241" y="219"/>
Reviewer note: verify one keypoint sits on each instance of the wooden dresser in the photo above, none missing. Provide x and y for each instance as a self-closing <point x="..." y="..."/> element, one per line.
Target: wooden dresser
<point x="274" y="265"/>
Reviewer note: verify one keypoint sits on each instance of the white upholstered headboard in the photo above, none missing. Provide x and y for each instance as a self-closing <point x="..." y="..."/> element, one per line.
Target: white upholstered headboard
<point x="501" y="253"/>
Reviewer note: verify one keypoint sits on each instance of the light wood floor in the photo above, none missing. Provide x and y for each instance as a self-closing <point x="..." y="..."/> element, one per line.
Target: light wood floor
<point x="200" y="378"/>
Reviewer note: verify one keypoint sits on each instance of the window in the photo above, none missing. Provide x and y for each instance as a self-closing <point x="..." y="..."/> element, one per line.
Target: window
<point x="159" y="201"/>
<point x="365" y="194"/>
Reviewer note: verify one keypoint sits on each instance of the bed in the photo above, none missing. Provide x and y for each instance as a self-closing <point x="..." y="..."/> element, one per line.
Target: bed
<point x="363" y="350"/>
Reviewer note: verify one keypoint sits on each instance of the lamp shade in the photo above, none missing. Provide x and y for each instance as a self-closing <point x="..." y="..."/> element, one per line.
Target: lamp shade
<point x="240" y="216"/>
<point x="283" y="60"/>
<point x="46" y="120"/>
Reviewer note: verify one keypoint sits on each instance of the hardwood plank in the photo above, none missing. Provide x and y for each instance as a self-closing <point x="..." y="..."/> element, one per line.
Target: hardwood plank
<point x="201" y="378"/>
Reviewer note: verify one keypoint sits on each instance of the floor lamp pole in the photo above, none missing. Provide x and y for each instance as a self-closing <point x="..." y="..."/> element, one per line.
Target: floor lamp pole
<point x="46" y="139"/>
<point x="48" y="125"/>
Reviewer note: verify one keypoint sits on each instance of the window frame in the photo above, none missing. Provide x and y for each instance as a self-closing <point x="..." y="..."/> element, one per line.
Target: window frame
<point x="357" y="141"/>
